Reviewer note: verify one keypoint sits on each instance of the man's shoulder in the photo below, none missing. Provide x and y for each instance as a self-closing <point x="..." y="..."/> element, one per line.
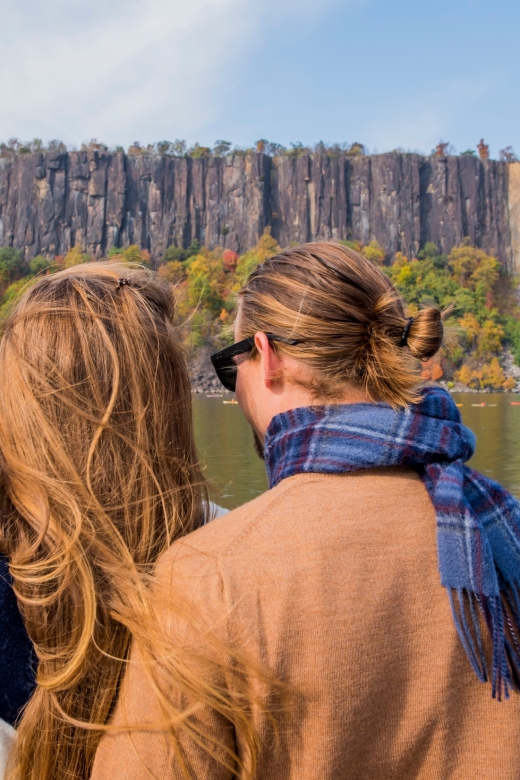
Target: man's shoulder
<point x="221" y="535"/>
<point x="302" y="505"/>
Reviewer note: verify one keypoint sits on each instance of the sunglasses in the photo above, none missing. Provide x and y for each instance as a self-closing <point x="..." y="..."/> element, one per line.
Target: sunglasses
<point x="224" y="361"/>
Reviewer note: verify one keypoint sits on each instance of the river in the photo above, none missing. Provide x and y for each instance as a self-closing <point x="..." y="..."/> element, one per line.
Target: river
<point x="226" y="444"/>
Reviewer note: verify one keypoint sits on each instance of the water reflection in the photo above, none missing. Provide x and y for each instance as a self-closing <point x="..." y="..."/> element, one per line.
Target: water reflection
<point x="226" y="445"/>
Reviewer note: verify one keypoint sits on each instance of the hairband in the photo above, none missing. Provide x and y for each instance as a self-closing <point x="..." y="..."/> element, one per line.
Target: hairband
<point x="122" y="281"/>
<point x="406" y="331"/>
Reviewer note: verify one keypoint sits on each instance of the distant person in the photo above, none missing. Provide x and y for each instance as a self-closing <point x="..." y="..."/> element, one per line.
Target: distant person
<point x="377" y="578"/>
<point x="99" y="476"/>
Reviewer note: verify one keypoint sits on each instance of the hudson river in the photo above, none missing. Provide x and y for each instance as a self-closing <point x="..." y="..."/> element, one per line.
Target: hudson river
<point x="226" y="444"/>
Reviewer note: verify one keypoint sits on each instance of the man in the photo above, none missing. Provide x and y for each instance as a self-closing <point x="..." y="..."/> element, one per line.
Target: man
<point x="333" y="579"/>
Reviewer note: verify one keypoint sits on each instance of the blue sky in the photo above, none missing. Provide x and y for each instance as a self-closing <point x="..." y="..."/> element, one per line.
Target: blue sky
<point x="388" y="73"/>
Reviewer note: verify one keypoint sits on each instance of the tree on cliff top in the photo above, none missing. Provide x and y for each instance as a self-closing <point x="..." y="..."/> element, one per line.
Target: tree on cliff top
<point x="507" y="155"/>
<point x="483" y="150"/>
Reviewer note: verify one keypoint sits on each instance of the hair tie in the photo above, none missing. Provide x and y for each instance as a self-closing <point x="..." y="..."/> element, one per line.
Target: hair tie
<point x="406" y="331"/>
<point x="123" y="281"/>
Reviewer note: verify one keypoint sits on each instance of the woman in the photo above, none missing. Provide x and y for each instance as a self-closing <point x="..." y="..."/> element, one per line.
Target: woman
<point x="100" y="475"/>
<point x="378" y="578"/>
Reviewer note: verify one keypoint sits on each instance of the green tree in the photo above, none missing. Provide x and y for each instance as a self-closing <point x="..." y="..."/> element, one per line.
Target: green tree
<point x="12" y="266"/>
<point x="178" y="254"/>
<point x="221" y="148"/>
<point x="40" y="263"/>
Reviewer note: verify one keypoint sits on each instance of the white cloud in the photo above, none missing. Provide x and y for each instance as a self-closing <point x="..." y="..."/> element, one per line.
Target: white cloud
<point x="127" y="69"/>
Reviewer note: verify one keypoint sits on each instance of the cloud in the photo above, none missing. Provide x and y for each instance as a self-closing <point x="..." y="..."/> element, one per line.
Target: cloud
<point x="128" y="69"/>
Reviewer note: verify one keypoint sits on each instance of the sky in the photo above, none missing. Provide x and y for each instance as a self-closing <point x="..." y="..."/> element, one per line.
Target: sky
<point x="386" y="73"/>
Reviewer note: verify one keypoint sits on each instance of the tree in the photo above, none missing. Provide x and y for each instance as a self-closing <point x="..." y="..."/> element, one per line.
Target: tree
<point x="131" y="254"/>
<point x="75" y="256"/>
<point x="441" y="150"/>
<point x="465" y="376"/>
<point x="230" y="260"/>
<point x="471" y="328"/>
<point x="490" y="339"/>
<point x="12" y="266"/>
<point x="492" y="375"/>
<point x="40" y="263"/>
<point x="178" y="254"/>
<point x="507" y="155"/>
<point x="206" y="284"/>
<point x="94" y="146"/>
<point x="356" y="149"/>
<point x="374" y="252"/>
<point x="173" y="270"/>
<point x="163" y="148"/>
<point x="56" y="146"/>
<point x="198" y="151"/>
<point x="468" y="153"/>
<point x="473" y="266"/>
<point x="274" y="149"/>
<point x="483" y="150"/>
<point x="297" y="149"/>
<point x="266" y="247"/>
<point x="178" y="148"/>
<point x="221" y="148"/>
<point x="13" y="292"/>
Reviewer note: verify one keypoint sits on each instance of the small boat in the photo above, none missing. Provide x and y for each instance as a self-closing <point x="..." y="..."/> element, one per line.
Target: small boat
<point x="482" y="404"/>
<point x="459" y="404"/>
<point x="230" y="402"/>
<point x="515" y="403"/>
<point x="214" y="395"/>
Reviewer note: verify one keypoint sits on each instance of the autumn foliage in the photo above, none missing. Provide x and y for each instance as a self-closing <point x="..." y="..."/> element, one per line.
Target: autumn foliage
<point x="485" y="317"/>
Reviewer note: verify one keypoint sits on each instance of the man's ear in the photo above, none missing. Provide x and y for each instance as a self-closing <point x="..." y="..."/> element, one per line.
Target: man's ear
<point x="269" y="360"/>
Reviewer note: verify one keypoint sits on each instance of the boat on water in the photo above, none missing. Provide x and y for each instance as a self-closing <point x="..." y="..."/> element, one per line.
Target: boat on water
<point x="483" y="404"/>
<point x="230" y="402"/>
<point x="515" y="403"/>
<point x="213" y="395"/>
<point x="459" y="404"/>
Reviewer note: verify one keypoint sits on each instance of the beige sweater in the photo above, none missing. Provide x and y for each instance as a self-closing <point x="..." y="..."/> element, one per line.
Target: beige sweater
<point x="333" y="582"/>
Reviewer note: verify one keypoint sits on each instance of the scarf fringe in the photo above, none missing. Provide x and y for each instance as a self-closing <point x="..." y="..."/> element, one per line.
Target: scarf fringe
<point x="501" y="614"/>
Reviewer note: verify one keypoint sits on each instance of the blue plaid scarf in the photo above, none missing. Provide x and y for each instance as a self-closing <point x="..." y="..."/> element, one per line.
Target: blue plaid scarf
<point x="478" y="522"/>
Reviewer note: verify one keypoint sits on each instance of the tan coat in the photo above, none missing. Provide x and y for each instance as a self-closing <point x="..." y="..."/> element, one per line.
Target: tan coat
<point x="333" y="580"/>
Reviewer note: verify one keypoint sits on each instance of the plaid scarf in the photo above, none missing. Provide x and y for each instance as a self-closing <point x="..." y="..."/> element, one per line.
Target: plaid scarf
<point x="478" y="521"/>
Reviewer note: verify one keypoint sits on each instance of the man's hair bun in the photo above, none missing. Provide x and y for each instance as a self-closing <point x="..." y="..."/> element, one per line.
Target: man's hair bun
<point x="426" y="333"/>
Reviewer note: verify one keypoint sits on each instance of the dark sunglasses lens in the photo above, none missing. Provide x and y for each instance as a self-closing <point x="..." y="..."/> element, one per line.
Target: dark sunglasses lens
<point x="227" y="373"/>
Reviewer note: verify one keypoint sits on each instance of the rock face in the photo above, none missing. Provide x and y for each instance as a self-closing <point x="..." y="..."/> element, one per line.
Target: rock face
<point x="50" y="202"/>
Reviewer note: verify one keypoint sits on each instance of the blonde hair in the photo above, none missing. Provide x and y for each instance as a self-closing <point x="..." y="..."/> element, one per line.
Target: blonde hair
<point x="100" y="475"/>
<point x="348" y="318"/>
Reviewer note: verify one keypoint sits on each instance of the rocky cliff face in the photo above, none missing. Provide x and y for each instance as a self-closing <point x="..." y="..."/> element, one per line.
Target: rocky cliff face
<point x="49" y="202"/>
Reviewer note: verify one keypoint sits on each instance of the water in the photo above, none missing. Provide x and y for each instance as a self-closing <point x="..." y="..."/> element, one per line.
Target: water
<point x="226" y="444"/>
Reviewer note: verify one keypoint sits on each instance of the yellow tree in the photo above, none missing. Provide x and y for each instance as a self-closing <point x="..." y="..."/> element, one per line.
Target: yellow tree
<point x="75" y="256"/>
<point x="374" y="252"/>
<point x="266" y="247"/>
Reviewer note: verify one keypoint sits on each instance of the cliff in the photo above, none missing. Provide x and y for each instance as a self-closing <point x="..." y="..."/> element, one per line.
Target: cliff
<point x="51" y="201"/>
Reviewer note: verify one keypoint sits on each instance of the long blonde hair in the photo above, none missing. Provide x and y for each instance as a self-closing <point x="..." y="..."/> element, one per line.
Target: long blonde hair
<point x="348" y="318"/>
<point x="100" y="475"/>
